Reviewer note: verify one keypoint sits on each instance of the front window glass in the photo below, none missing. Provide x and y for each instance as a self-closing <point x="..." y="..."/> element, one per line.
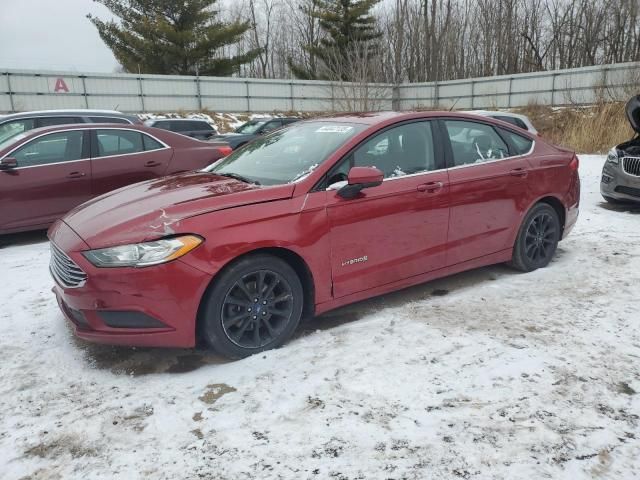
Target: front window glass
<point x="52" y="148"/>
<point x="250" y="127"/>
<point x="286" y="155"/>
<point x="473" y="142"/>
<point x="398" y="151"/>
<point x="11" y="129"/>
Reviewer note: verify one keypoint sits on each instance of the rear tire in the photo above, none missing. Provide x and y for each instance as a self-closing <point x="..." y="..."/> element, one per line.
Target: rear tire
<point x="254" y="305"/>
<point x="537" y="239"/>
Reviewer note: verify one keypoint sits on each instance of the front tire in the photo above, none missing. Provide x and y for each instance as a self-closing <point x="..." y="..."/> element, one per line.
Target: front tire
<point x="537" y="239"/>
<point x="254" y="305"/>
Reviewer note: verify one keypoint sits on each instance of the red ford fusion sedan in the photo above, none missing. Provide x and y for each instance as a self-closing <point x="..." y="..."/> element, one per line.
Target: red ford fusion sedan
<point x="306" y="219"/>
<point x="47" y="171"/>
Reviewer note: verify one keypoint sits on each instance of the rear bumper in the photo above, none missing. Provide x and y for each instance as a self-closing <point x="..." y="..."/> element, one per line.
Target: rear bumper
<point x="152" y="307"/>
<point x="616" y="184"/>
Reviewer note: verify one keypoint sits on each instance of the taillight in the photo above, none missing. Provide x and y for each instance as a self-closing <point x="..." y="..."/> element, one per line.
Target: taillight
<point x="224" y="150"/>
<point x="574" y="164"/>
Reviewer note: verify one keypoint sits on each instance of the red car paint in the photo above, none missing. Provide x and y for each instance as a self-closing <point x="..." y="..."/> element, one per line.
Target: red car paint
<point x="34" y="197"/>
<point x="413" y="229"/>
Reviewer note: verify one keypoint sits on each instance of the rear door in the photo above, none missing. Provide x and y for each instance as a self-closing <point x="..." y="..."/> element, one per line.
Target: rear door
<point x="53" y="176"/>
<point x="398" y="229"/>
<point x="121" y="157"/>
<point x="489" y="191"/>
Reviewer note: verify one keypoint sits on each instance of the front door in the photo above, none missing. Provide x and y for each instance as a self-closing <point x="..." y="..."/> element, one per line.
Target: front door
<point x="121" y="157"/>
<point x="398" y="229"/>
<point x="488" y="178"/>
<point x="52" y="177"/>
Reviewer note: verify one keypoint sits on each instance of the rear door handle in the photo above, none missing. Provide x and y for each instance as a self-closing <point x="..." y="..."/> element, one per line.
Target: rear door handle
<point x="76" y="175"/>
<point x="152" y="163"/>
<point x="431" y="187"/>
<point x="519" y="172"/>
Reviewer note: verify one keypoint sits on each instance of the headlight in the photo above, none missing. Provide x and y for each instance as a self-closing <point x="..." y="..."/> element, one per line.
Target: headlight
<point x="143" y="254"/>
<point x="612" y="156"/>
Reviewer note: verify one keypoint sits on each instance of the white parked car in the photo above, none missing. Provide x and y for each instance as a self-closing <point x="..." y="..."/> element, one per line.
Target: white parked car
<point x="516" y="119"/>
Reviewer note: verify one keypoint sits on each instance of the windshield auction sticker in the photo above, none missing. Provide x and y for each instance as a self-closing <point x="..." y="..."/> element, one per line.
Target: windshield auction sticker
<point x="334" y="129"/>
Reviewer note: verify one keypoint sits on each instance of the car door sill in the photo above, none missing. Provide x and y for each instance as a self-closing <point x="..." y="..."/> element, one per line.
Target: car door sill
<point x="494" y="258"/>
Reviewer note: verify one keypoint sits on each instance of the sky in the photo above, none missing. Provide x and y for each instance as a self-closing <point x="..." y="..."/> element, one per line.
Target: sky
<point x="53" y="35"/>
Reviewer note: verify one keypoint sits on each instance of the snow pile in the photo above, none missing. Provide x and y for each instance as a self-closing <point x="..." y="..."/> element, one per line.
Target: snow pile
<point x="486" y="374"/>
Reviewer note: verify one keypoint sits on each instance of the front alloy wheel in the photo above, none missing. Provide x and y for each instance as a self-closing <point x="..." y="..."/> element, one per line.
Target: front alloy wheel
<point x="257" y="309"/>
<point x="254" y="305"/>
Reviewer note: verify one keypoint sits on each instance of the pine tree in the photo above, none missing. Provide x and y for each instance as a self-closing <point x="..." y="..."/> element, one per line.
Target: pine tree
<point x="350" y="37"/>
<point x="171" y="37"/>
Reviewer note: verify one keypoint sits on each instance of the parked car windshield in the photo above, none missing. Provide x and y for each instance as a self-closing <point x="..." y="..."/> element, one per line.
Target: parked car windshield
<point x="250" y="127"/>
<point x="11" y="140"/>
<point x="286" y="155"/>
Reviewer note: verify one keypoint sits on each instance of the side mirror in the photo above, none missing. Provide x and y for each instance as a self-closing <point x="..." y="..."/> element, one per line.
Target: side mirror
<point x="360" y="178"/>
<point x="8" y="163"/>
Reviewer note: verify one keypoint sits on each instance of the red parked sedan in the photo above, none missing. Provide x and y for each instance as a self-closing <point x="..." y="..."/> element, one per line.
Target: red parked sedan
<point x="306" y="219"/>
<point x="46" y="172"/>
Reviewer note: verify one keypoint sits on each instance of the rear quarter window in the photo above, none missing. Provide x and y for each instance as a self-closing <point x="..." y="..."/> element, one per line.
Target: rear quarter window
<point x="150" y="143"/>
<point x="519" y="143"/>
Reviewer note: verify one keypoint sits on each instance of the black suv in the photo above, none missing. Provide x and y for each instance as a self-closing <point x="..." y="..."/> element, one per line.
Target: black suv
<point x="14" y="124"/>
<point x="191" y="127"/>
<point x="254" y="128"/>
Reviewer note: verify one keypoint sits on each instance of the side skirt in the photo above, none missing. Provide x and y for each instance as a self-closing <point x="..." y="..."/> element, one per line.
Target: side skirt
<point x="499" y="257"/>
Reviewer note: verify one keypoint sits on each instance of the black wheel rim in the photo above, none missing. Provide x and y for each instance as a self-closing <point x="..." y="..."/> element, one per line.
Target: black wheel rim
<point x="540" y="238"/>
<point x="257" y="309"/>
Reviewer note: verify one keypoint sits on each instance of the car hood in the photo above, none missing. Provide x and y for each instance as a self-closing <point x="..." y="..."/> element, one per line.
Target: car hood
<point x="155" y="208"/>
<point x="633" y="112"/>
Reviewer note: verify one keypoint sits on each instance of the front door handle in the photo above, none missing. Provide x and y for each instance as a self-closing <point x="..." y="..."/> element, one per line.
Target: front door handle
<point x="76" y="175"/>
<point x="518" y="172"/>
<point x="152" y="163"/>
<point x="431" y="187"/>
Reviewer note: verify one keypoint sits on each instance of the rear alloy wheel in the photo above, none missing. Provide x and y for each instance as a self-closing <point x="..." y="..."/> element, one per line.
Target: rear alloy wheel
<point x="537" y="240"/>
<point x="255" y="305"/>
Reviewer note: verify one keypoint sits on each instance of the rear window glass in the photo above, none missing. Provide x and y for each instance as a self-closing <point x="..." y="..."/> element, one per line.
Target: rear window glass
<point x="118" y="142"/>
<point x="512" y="120"/>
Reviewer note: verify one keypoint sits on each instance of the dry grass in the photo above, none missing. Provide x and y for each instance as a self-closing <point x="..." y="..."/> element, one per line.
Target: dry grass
<point x="593" y="129"/>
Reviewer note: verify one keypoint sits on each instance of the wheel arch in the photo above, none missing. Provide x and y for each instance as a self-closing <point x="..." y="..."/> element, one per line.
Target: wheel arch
<point x="293" y="259"/>
<point x="558" y="206"/>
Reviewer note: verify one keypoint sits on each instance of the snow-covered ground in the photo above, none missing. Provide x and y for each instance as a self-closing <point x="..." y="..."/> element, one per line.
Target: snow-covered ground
<point x="489" y="374"/>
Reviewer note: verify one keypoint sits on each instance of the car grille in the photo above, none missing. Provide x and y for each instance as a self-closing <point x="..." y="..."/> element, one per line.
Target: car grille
<point x="631" y="165"/>
<point x="64" y="270"/>
<point x="634" y="192"/>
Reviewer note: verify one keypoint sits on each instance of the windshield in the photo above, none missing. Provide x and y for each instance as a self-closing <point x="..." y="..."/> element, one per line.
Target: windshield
<point x="251" y="127"/>
<point x="286" y="155"/>
<point x="4" y="144"/>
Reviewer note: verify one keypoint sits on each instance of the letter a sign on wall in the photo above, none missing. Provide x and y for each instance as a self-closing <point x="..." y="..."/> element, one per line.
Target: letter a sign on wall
<point x="60" y="86"/>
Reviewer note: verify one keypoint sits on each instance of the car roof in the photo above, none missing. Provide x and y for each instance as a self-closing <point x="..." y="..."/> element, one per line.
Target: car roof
<point x="62" y="112"/>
